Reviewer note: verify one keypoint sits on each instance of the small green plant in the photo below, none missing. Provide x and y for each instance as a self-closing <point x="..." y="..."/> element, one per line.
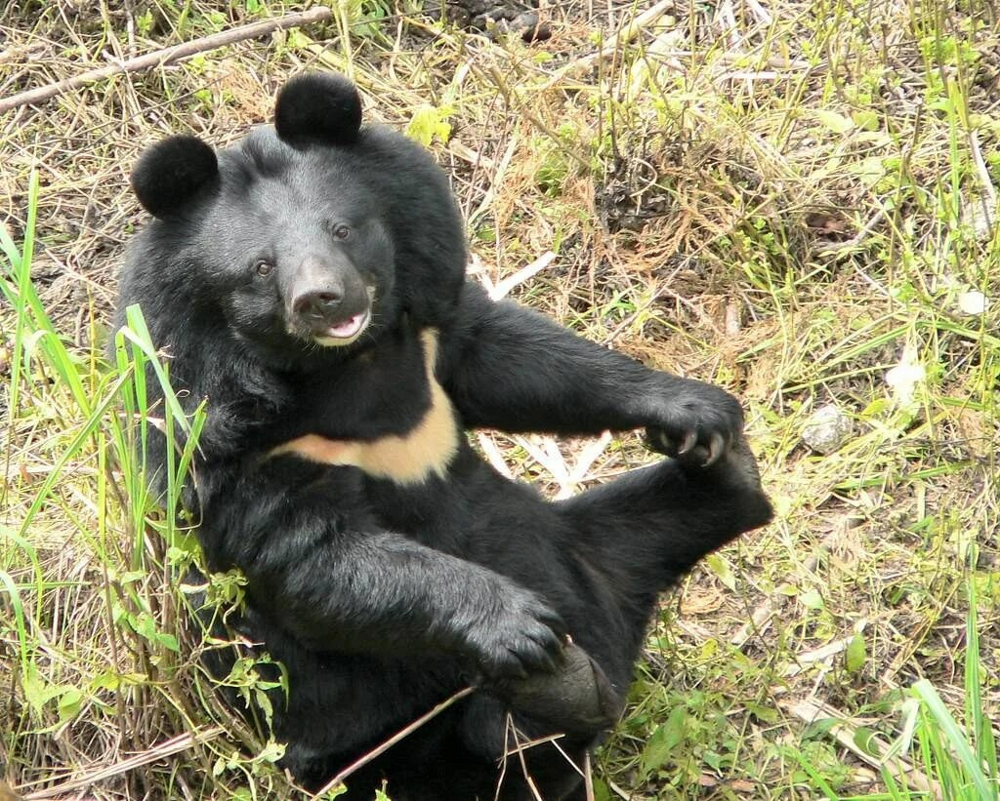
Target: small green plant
<point x="948" y="759"/>
<point x="140" y="543"/>
<point x="960" y="761"/>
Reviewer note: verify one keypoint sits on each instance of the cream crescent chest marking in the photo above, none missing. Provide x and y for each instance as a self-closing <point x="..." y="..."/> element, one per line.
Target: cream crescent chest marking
<point x="405" y="459"/>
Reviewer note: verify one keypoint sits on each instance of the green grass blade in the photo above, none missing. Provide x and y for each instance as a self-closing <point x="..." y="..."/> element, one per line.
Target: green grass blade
<point x="31" y="319"/>
<point x="981" y="727"/>
<point x="86" y="431"/>
<point x="138" y="333"/>
<point x="955" y="739"/>
<point x="18" y="607"/>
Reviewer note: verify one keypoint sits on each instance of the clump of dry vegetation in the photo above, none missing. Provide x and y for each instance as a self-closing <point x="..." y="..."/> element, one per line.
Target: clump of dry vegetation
<point x="795" y="200"/>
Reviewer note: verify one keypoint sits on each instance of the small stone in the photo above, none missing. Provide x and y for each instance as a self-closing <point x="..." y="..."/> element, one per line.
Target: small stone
<point x="827" y="429"/>
<point x="531" y="28"/>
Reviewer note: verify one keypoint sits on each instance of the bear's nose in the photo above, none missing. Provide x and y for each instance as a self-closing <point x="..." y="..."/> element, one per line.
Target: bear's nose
<point x="317" y="304"/>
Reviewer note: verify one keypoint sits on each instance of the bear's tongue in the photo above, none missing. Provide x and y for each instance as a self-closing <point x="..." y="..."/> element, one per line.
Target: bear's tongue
<point x="348" y="328"/>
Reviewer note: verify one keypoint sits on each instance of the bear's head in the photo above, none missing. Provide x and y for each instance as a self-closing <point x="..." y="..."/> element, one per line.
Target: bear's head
<point x="307" y="240"/>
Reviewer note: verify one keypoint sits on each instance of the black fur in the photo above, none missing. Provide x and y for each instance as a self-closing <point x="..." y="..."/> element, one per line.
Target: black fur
<point x="318" y="107"/>
<point x="172" y="172"/>
<point x="384" y="598"/>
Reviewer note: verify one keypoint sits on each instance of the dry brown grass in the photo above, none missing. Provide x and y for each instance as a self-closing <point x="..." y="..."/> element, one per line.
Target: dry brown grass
<point x="782" y="199"/>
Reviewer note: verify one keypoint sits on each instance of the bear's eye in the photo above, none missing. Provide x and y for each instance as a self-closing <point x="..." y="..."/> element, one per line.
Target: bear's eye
<point x="341" y="232"/>
<point x="263" y="267"/>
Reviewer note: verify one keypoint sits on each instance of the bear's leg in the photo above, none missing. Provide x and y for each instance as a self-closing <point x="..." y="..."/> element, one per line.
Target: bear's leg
<point x="632" y="538"/>
<point x="645" y="530"/>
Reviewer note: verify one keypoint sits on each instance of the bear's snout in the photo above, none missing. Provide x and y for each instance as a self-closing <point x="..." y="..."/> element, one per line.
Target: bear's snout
<point x="328" y="301"/>
<point x="320" y="304"/>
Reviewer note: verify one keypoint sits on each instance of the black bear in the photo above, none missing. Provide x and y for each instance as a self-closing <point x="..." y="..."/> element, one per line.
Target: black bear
<point x="309" y="282"/>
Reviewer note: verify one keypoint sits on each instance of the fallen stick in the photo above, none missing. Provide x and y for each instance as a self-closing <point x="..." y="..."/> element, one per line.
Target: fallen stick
<point x="406" y="731"/>
<point x="165" y="56"/>
<point x="624" y="36"/>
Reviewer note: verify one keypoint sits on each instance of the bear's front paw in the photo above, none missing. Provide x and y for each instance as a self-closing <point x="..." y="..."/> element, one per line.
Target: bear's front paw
<point x="696" y="424"/>
<point x="522" y="635"/>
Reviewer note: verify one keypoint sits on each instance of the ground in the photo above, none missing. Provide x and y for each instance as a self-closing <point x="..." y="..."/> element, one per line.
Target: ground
<point x="794" y="200"/>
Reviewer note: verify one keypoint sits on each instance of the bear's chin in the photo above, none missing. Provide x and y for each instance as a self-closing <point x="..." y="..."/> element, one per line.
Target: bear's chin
<point x="345" y="333"/>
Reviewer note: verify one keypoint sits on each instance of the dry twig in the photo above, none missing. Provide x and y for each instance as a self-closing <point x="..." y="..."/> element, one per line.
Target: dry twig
<point x="168" y="55"/>
<point x="629" y="32"/>
<point x="406" y="731"/>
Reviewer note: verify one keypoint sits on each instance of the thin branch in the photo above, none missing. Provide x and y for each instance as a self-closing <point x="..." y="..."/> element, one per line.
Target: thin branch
<point x="624" y="36"/>
<point x="406" y="731"/>
<point x="165" y="56"/>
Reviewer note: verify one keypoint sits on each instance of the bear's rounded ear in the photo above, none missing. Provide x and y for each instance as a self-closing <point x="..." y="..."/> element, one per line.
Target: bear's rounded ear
<point x="322" y="106"/>
<point x="169" y="173"/>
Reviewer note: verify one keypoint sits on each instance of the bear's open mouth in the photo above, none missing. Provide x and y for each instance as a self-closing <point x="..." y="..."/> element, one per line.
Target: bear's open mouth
<point x="344" y="332"/>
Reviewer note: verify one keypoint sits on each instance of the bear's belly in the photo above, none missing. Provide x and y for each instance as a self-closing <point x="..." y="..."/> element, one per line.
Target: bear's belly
<point x="473" y="512"/>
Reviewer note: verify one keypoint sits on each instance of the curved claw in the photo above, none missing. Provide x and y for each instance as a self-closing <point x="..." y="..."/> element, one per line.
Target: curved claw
<point x="520" y="671"/>
<point x="656" y="440"/>
<point x="716" y="447"/>
<point x="689" y="441"/>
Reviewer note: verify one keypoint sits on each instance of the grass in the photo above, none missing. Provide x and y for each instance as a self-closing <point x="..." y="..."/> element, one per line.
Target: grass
<point x="795" y="201"/>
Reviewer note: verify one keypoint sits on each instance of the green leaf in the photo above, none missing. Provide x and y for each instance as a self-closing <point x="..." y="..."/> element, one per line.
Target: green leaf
<point x="144" y="625"/>
<point x="836" y="122"/>
<point x="664" y="740"/>
<point x="766" y="714"/>
<point x="870" y="170"/>
<point x="37" y="691"/>
<point x="265" y="705"/>
<point x="819" y="728"/>
<point x="877" y="407"/>
<point x="857" y="653"/>
<point x="811" y="599"/>
<point x="864" y="738"/>
<point x="168" y="641"/>
<point x="719" y="565"/>
<point x="69" y="704"/>
<point x="868" y="120"/>
<point x="177" y="556"/>
<point x="108" y="680"/>
<point x="271" y="752"/>
<point x="428" y="122"/>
